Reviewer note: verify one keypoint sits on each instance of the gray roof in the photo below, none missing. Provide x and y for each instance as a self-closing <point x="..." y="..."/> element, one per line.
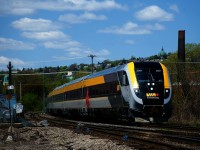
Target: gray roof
<point x="96" y="74"/>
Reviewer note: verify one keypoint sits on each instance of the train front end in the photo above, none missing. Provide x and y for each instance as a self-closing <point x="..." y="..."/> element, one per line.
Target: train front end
<point x="152" y="95"/>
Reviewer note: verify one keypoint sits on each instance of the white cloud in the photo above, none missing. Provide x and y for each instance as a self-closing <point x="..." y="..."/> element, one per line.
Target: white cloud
<point x="11" y="44"/>
<point x="74" y="53"/>
<point x="174" y="7"/>
<point x="154" y="13"/>
<point x="70" y="47"/>
<point x="61" y="58"/>
<point x="131" y="28"/>
<point x="103" y="52"/>
<point x="128" y="28"/>
<point x="156" y="26"/>
<point x="15" y="61"/>
<point x="21" y="11"/>
<point x="25" y="7"/>
<point x="72" y="18"/>
<point x="21" y="7"/>
<point x="131" y="42"/>
<point x="28" y="24"/>
<point x="67" y="44"/>
<point x="82" y="52"/>
<point x="48" y="35"/>
<point x="92" y="5"/>
<point x="45" y="32"/>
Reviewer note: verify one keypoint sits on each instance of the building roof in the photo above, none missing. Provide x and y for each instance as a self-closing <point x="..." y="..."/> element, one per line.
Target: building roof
<point x="162" y="53"/>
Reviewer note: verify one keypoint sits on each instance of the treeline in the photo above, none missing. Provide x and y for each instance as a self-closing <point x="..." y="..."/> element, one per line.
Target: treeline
<point x="97" y="67"/>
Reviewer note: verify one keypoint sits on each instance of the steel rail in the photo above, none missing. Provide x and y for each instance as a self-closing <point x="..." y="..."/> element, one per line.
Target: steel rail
<point x="144" y="135"/>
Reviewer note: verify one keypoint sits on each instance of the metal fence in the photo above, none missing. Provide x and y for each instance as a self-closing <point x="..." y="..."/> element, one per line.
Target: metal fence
<point x="185" y="79"/>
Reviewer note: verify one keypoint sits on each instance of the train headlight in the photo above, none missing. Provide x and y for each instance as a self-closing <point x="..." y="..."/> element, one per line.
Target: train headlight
<point x="137" y="92"/>
<point x="167" y="93"/>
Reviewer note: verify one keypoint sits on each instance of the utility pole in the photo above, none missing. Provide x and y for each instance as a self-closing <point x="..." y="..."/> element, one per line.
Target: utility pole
<point x="9" y="93"/>
<point x="92" y="57"/>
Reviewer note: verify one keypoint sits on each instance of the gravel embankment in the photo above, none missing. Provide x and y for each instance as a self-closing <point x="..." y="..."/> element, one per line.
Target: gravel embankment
<point x="53" y="138"/>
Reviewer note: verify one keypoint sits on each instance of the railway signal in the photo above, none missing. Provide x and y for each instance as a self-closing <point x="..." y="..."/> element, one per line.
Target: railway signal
<point x="10" y="89"/>
<point x="9" y="92"/>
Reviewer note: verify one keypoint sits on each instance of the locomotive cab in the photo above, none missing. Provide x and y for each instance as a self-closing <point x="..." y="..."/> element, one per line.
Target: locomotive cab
<point x="153" y="92"/>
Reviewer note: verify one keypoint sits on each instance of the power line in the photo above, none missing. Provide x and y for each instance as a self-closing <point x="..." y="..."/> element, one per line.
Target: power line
<point x="32" y="74"/>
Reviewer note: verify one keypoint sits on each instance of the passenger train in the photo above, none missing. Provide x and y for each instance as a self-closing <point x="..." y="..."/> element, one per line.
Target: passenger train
<point x="135" y="89"/>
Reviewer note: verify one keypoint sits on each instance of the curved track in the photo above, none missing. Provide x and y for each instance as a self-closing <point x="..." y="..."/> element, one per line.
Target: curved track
<point x="151" y="137"/>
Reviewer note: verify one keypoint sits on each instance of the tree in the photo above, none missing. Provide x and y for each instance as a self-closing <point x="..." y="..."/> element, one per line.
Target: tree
<point x="31" y="102"/>
<point x="73" y="67"/>
<point x="193" y="52"/>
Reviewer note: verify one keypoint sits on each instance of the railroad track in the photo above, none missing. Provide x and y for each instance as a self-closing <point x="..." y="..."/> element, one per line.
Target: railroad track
<point x="150" y="137"/>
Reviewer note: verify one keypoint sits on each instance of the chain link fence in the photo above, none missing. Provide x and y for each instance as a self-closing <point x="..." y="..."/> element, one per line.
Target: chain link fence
<point x="185" y="79"/>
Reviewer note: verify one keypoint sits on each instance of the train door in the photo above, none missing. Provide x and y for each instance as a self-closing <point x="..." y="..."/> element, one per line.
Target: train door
<point x="126" y="93"/>
<point x="124" y="85"/>
<point x="85" y="99"/>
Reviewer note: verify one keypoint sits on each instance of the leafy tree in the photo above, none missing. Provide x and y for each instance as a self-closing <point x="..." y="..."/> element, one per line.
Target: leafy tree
<point x="63" y="68"/>
<point x="31" y="102"/>
<point x="132" y="58"/>
<point x="154" y="57"/>
<point x="193" y="52"/>
<point x="73" y="67"/>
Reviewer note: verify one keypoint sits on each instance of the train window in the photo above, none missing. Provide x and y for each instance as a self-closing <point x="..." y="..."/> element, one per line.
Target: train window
<point x="107" y="92"/>
<point x="96" y="92"/>
<point x="59" y="97"/>
<point x="80" y="94"/>
<point x="92" y="92"/>
<point x="67" y="95"/>
<point x="77" y="94"/>
<point x="123" y="79"/>
<point x="55" y="98"/>
<point x="103" y="89"/>
<point x="146" y="75"/>
<point x="74" y="94"/>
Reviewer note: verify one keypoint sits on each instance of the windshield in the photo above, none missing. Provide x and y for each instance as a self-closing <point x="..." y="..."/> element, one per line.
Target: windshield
<point x="149" y="75"/>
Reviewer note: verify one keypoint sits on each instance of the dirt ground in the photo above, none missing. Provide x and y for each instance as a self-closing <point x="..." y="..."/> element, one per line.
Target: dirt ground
<point x="54" y="138"/>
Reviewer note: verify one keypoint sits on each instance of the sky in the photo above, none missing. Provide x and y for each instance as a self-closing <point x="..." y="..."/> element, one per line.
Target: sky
<point x="38" y="33"/>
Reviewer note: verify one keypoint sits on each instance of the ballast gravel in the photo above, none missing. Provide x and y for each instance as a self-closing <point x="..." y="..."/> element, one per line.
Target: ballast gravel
<point x="54" y="138"/>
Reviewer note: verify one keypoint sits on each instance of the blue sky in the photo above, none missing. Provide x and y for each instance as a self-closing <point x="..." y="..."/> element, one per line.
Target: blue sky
<point x="38" y="33"/>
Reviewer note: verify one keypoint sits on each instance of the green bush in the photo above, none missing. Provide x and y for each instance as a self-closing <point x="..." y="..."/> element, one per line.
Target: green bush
<point x="31" y="102"/>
